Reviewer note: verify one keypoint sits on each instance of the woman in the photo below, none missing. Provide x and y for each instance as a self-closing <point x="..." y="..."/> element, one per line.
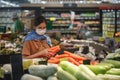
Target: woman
<point x="36" y="43"/>
<point x="83" y="30"/>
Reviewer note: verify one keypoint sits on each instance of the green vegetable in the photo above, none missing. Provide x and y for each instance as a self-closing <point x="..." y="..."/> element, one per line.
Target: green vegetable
<point x="115" y="63"/>
<point x="30" y="77"/>
<point x="42" y="70"/>
<point x="74" y="70"/>
<point x="2" y="73"/>
<point x="113" y="71"/>
<point x="52" y="78"/>
<point x="106" y="65"/>
<point x="97" y="69"/>
<point x="86" y="70"/>
<point x="108" y="77"/>
<point x="64" y="75"/>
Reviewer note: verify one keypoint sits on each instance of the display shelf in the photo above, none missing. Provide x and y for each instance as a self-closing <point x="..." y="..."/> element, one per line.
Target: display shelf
<point x="6" y="17"/>
<point x="25" y="14"/>
<point x="61" y="18"/>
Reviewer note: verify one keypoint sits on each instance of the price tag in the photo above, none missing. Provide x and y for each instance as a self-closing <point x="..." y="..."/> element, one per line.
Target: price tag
<point x="101" y="39"/>
<point x="117" y="39"/>
<point x="109" y="34"/>
<point x="52" y="18"/>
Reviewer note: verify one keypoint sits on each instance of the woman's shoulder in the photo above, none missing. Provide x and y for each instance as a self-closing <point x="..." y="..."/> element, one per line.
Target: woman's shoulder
<point x="29" y="36"/>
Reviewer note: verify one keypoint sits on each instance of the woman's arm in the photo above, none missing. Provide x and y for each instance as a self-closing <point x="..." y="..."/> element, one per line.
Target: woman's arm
<point x="44" y="53"/>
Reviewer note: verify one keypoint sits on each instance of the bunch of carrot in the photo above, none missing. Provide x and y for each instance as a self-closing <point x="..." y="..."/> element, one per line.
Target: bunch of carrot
<point x="54" y="49"/>
<point x="71" y="57"/>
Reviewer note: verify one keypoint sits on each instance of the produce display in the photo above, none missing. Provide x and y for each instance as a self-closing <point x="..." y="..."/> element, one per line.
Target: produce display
<point x="66" y="70"/>
<point x="67" y="65"/>
<point x="11" y="46"/>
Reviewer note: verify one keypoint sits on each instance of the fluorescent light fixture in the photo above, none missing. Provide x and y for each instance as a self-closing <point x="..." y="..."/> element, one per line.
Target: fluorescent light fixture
<point x="61" y="2"/>
<point x="43" y="2"/>
<point x="8" y="3"/>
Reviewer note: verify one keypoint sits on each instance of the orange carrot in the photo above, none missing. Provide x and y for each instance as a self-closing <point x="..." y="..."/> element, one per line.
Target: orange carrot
<point x="62" y="56"/>
<point x="55" y="61"/>
<point x="73" y="61"/>
<point x="54" y="49"/>
<point x="94" y="62"/>
<point x="80" y="62"/>
<point x="66" y="52"/>
<point x="75" y="56"/>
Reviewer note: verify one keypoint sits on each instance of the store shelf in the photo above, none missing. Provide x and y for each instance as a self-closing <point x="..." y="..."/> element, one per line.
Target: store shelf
<point x="61" y="17"/>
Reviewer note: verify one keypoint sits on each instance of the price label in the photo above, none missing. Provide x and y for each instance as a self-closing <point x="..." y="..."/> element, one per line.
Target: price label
<point x="101" y="39"/>
<point x="117" y="39"/>
<point x="52" y="18"/>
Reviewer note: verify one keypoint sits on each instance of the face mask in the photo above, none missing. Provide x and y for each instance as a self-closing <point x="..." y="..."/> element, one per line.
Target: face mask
<point x="41" y="31"/>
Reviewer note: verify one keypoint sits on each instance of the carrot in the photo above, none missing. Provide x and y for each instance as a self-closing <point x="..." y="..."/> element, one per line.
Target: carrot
<point x="55" y="61"/>
<point x="80" y="62"/>
<point x="75" y="56"/>
<point x="94" y="62"/>
<point x="73" y="61"/>
<point x="54" y="49"/>
<point x="52" y="58"/>
<point x="66" y="52"/>
<point x="62" y="56"/>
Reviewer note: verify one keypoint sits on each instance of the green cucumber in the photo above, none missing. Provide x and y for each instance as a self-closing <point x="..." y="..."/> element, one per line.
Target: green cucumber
<point x="42" y="70"/>
<point x="114" y="62"/>
<point x="64" y="75"/>
<point x="74" y="70"/>
<point x="52" y="78"/>
<point x="114" y="71"/>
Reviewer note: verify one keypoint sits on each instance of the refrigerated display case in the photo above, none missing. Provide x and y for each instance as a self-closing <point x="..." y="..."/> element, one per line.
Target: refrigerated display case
<point x="110" y="20"/>
<point x="118" y="20"/>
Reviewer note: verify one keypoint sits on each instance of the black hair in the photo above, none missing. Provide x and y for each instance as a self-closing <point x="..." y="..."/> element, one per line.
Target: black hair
<point x="39" y="20"/>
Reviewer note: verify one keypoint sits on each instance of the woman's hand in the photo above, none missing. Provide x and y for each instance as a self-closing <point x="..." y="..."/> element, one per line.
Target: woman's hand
<point x="46" y="53"/>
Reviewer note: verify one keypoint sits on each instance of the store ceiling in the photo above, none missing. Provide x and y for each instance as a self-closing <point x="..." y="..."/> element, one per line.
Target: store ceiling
<point x="15" y="3"/>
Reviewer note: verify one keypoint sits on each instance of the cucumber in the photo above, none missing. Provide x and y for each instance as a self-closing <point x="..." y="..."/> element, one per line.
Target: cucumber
<point x="52" y="78"/>
<point x="85" y="69"/>
<point x="42" y="70"/>
<point x="64" y="75"/>
<point x="108" y="77"/>
<point x="114" y="62"/>
<point x="30" y="77"/>
<point x="97" y="69"/>
<point x="114" y="71"/>
<point x="74" y="70"/>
